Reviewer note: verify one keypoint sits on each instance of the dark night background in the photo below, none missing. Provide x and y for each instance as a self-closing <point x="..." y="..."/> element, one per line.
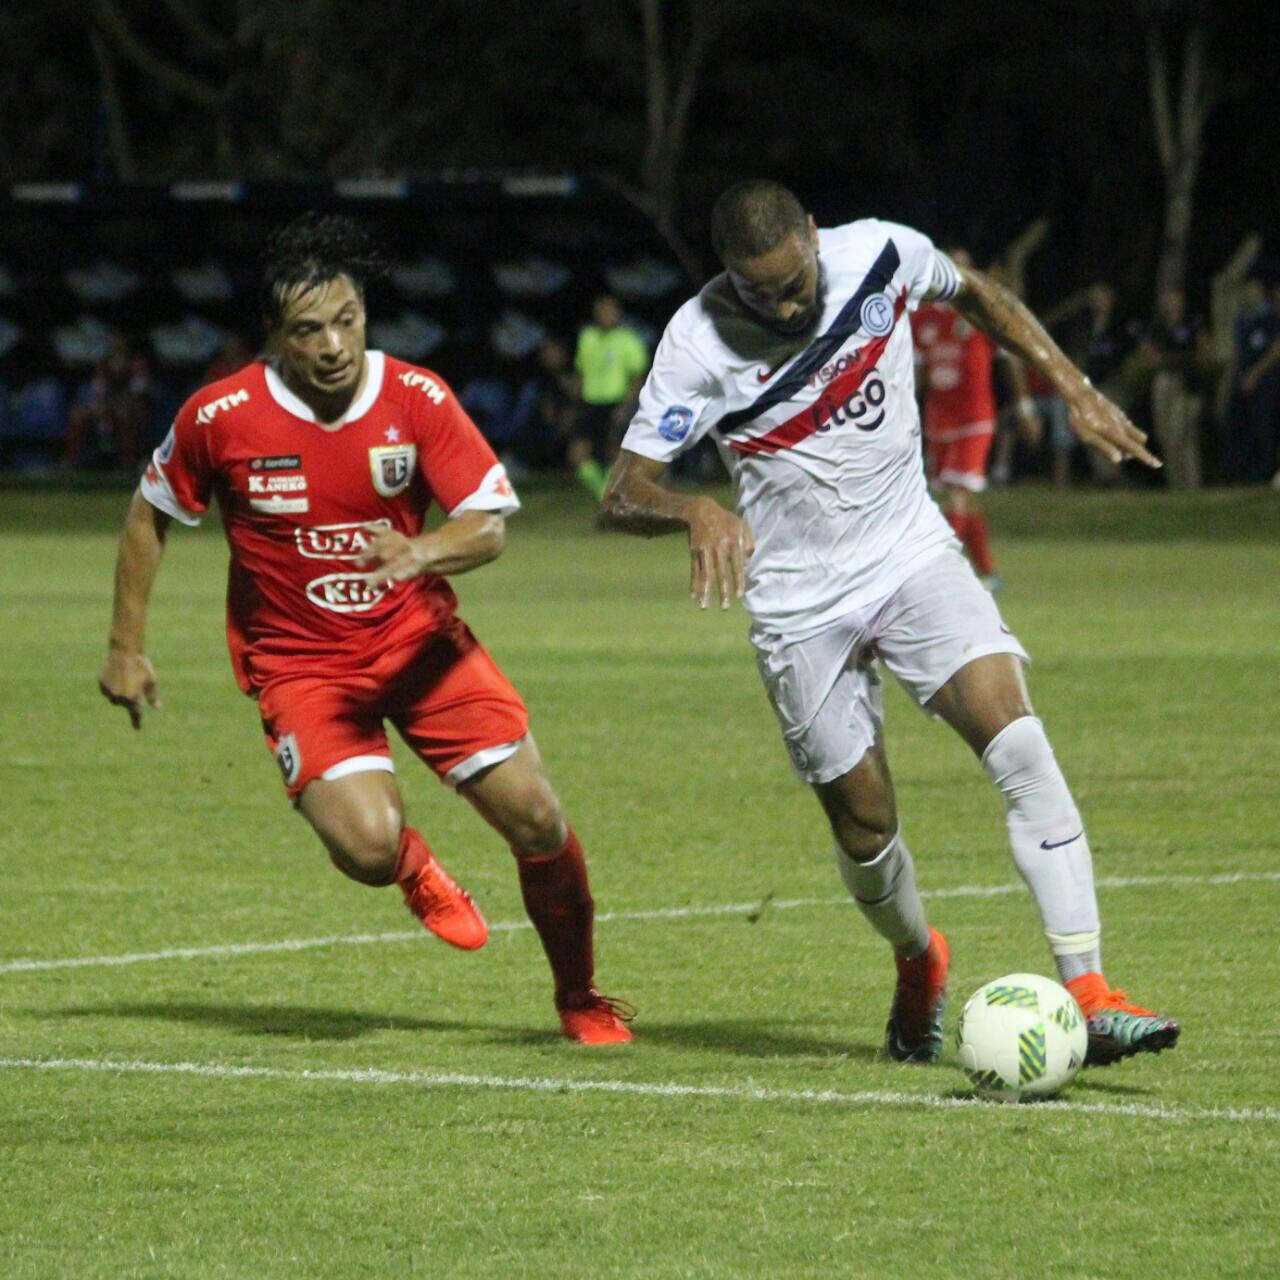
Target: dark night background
<point x="968" y="120"/>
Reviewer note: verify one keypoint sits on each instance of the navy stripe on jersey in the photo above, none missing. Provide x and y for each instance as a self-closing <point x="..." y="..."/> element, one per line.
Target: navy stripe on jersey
<point x="821" y="349"/>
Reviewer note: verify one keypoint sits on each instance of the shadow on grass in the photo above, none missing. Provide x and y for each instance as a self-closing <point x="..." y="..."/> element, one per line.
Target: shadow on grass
<point x="750" y="1038"/>
<point x="741" y="1037"/>
<point x="299" y="1021"/>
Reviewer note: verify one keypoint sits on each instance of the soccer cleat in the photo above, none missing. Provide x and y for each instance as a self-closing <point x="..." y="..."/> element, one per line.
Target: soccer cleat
<point x="1118" y="1029"/>
<point x="992" y="582"/>
<point x="590" y="1018"/>
<point x="444" y="907"/>
<point x="914" y="1030"/>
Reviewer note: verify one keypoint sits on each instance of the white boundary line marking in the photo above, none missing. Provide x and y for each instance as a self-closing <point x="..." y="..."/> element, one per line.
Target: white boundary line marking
<point x="635" y="1088"/>
<point x="608" y="917"/>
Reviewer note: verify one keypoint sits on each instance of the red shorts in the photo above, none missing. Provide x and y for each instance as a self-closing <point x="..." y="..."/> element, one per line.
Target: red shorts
<point x="960" y="458"/>
<point x="445" y="695"/>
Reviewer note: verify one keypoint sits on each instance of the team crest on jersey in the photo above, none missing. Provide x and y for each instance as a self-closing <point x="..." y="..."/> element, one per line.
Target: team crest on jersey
<point x="392" y="467"/>
<point x="877" y="315"/>
<point x="676" y="423"/>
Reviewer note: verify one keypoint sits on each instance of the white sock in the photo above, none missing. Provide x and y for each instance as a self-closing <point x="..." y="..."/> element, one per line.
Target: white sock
<point x="1049" y="843"/>
<point x="885" y="891"/>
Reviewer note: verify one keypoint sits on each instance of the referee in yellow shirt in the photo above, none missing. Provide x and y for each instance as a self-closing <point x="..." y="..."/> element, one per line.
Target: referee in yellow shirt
<point x="611" y="363"/>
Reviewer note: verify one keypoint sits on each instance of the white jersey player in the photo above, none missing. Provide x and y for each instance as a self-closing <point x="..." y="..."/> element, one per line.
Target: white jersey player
<point x="797" y="359"/>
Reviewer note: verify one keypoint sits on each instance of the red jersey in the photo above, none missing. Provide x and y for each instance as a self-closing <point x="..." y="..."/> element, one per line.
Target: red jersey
<point x="956" y="361"/>
<point x="300" y="502"/>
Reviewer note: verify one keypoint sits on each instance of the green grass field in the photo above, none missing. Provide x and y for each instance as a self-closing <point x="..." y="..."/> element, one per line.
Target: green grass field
<point x="219" y="1058"/>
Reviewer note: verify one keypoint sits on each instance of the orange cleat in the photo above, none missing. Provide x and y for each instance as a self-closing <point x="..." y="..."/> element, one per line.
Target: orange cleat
<point x="590" y="1018"/>
<point x="1118" y="1029"/>
<point x="914" y="1029"/>
<point x="445" y="907"/>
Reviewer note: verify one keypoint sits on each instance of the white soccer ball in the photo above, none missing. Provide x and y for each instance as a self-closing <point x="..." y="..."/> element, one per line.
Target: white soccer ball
<point x="1021" y="1036"/>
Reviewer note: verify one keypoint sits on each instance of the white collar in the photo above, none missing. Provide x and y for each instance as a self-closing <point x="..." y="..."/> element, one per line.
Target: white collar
<point x="361" y="405"/>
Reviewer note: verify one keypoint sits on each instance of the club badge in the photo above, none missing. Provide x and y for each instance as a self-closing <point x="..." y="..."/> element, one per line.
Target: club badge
<point x="392" y="467"/>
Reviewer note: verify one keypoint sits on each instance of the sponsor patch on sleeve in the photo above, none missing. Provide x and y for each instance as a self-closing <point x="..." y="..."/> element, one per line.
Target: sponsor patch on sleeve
<point x="676" y="423"/>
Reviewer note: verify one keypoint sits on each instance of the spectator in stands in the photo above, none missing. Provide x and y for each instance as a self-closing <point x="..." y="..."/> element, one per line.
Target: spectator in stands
<point x="551" y="439"/>
<point x="611" y="363"/>
<point x="1249" y="449"/>
<point x="501" y="407"/>
<point x="1179" y="352"/>
<point x="106" y="425"/>
<point x="1089" y="331"/>
<point x="232" y="356"/>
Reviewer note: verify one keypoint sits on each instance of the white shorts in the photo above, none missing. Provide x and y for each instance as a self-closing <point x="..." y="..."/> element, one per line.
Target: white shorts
<point x="825" y="688"/>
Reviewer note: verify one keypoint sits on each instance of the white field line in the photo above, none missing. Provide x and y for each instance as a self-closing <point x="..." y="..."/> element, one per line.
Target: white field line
<point x="608" y="917"/>
<point x="635" y="1088"/>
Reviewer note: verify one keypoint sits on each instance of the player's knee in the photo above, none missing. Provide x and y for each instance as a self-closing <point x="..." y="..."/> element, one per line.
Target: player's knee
<point x="864" y="839"/>
<point x="1020" y="761"/>
<point x="538" y="825"/>
<point x="863" y="825"/>
<point x="366" y="846"/>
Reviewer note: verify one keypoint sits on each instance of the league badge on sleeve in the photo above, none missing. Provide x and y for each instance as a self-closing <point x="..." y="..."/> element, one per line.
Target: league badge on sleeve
<point x="676" y="423"/>
<point x="165" y="452"/>
<point x="392" y="467"/>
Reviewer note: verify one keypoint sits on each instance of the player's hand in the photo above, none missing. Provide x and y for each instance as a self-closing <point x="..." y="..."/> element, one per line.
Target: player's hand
<point x="128" y="680"/>
<point x="393" y="557"/>
<point x="719" y="546"/>
<point x="1102" y="426"/>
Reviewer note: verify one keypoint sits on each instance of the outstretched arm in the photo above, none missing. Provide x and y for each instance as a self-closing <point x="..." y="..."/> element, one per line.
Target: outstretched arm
<point x="1095" y="420"/>
<point x="719" y="542"/>
<point x="127" y="678"/>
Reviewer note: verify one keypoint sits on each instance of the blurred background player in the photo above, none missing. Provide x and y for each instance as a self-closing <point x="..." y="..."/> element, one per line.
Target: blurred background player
<point x="798" y="358"/>
<point x="956" y="361"/>
<point x="324" y="458"/>
<point x="106" y="426"/>
<point x="611" y="361"/>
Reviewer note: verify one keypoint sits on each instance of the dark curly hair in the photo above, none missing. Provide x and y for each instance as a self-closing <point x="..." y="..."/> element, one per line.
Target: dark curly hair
<point x="312" y="250"/>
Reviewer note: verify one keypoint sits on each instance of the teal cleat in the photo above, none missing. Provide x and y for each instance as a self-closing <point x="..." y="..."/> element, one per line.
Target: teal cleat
<point x="1118" y="1029"/>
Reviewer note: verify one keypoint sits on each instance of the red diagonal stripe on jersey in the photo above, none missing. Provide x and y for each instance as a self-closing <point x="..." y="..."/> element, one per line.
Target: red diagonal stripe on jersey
<point x="811" y="418"/>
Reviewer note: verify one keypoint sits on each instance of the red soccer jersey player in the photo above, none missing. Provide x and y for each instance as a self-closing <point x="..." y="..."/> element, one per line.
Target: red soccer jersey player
<point x="324" y="461"/>
<point x="959" y="420"/>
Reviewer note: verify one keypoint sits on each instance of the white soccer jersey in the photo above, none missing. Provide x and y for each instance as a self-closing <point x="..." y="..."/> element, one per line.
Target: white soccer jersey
<point x="821" y="434"/>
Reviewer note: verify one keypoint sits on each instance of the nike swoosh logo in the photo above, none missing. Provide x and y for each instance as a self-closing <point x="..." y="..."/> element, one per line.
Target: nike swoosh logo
<point x="766" y="375"/>
<point x="1057" y="844"/>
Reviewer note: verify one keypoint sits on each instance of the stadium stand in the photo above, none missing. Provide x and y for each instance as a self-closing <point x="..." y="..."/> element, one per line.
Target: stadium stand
<point x="484" y="268"/>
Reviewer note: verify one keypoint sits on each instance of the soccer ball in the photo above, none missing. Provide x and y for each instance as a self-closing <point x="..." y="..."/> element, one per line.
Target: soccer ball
<point x="1021" y="1036"/>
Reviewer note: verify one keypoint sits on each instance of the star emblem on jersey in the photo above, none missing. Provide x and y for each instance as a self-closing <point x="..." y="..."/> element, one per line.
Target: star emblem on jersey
<point x="392" y="434"/>
<point x="392" y="467"/>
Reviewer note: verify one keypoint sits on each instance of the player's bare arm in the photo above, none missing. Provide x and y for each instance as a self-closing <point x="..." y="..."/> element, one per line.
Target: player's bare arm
<point x="127" y="678"/>
<point x="1095" y="420"/>
<point x="719" y="542"/>
<point x="465" y="542"/>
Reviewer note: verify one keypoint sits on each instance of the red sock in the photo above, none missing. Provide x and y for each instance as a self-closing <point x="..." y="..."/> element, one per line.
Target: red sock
<point x="558" y="900"/>
<point x="979" y="547"/>
<point x="959" y="521"/>
<point x="413" y="854"/>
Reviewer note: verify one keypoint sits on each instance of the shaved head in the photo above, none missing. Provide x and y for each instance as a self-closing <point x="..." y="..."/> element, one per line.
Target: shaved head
<point x="751" y="218"/>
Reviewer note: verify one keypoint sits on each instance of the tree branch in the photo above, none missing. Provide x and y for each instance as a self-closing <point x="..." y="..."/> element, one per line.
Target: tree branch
<point x="184" y="83"/>
<point x="124" y="163"/>
<point x="1158" y="86"/>
<point x="210" y="41"/>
